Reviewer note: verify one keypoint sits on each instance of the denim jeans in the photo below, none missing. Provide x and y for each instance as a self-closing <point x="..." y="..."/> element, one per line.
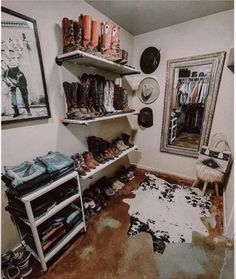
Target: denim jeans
<point x="24" y="172"/>
<point x="55" y="161"/>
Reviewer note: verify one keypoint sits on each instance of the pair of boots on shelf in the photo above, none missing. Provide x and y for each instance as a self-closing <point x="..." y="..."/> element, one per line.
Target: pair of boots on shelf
<point x="95" y="97"/>
<point x="104" y="151"/>
<point x="94" y="37"/>
<point x="84" y="162"/>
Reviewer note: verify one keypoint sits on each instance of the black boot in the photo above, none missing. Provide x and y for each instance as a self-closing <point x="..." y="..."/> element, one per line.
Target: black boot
<point x="28" y="110"/>
<point x="16" y="111"/>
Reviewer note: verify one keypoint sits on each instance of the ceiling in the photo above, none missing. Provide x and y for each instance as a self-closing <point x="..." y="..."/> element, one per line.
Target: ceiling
<point x="141" y="16"/>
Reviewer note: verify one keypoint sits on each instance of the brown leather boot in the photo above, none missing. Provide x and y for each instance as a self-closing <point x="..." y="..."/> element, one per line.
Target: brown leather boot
<point x="92" y="159"/>
<point x="78" y="33"/>
<point x="68" y="35"/>
<point x="88" y="161"/>
<point x="96" y="28"/>
<point x="116" y="54"/>
<point x="87" y="27"/>
<point x="106" y="38"/>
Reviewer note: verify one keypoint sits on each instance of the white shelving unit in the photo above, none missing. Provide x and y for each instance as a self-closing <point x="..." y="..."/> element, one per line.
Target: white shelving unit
<point x="87" y="122"/>
<point x="91" y="60"/>
<point x="33" y="223"/>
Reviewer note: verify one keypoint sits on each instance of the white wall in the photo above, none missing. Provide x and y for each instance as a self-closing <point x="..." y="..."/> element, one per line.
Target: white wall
<point x="30" y="139"/>
<point x="200" y="36"/>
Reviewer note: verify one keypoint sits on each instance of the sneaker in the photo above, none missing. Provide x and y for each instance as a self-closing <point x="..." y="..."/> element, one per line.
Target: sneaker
<point x="12" y="272"/>
<point x="109" y="191"/>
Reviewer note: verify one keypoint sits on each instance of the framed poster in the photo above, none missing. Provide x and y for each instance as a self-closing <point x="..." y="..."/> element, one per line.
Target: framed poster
<point x="24" y="93"/>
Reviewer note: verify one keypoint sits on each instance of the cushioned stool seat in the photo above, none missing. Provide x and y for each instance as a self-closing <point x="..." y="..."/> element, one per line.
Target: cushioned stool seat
<point x="208" y="175"/>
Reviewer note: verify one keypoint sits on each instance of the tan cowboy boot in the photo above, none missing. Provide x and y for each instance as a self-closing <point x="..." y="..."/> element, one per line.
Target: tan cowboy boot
<point x="87" y="27"/>
<point x="106" y="38"/>
<point x="116" y="54"/>
<point x="68" y="35"/>
<point x="96" y="28"/>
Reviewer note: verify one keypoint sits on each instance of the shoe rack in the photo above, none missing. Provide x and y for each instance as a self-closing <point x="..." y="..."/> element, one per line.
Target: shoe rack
<point x="33" y="243"/>
<point x="83" y="58"/>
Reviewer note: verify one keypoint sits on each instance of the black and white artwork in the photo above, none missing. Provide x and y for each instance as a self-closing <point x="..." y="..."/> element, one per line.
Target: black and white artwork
<point x="168" y="212"/>
<point x="24" y="95"/>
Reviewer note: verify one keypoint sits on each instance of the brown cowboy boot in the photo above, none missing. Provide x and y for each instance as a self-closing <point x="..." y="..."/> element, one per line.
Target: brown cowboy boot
<point x="106" y="38"/>
<point x="78" y="33"/>
<point x="116" y="54"/>
<point x="68" y="35"/>
<point x="96" y="27"/>
<point x="87" y="27"/>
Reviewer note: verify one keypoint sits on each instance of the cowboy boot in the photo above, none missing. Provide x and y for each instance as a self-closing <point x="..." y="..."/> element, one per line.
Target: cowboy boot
<point x="106" y="31"/>
<point x="100" y="84"/>
<point x="92" y="96"/>
<point x="96" y="27"/>
<point x="78" y="33"/>
<point x="87" y="26"/>
<point x="68" y="35"/>
<point x="124" y="57"/>
<point x="116" y="55"/>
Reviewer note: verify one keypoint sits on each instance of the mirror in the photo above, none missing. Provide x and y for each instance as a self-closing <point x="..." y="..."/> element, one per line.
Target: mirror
<point x="190" y="97"/>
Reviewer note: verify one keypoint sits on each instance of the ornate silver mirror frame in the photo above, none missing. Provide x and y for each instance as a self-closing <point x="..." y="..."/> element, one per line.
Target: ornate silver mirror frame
<point x="214" y="62"/>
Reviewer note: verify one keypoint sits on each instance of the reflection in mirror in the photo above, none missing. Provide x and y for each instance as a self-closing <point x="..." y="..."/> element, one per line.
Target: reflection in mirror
<point x="191" y="93"/>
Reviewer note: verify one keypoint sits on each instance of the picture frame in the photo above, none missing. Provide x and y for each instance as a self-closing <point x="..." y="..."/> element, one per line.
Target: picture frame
<point x="24" y="92"/>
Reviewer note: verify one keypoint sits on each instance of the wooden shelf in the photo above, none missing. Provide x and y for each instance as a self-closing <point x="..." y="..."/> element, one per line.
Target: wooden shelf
<point x="86" y="122"/>
<point x="87" y="59"/>
<point x="102" y="166"/>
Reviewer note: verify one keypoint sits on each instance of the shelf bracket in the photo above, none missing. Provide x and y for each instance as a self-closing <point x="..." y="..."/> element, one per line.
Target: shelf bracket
<point x="60" y="61"/>
<point x="128" y="74"/>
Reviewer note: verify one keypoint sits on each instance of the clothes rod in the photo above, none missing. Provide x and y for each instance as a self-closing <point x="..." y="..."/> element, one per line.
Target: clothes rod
<point x="196" y="78"/>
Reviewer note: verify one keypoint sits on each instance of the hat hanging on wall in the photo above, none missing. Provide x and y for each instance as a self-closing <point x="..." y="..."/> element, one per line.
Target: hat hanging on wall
<point x="145" y="117"/>
<point x="150" y="60"/>
<point x="148" y="90"/>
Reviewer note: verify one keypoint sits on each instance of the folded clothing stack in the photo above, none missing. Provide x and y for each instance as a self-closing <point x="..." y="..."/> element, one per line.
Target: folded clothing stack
<point x="42" y="205"/>
<point x="27" y="176"/>
<point x="55" y="228"/>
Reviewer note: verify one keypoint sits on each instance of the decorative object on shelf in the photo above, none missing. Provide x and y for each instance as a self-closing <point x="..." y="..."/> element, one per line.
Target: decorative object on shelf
<point x="192" y="85"/>
<point x="148" y="90"/>
<point x="150" y="60"/>
<point x="24" y="92"/>
<point x="145" y="117"/>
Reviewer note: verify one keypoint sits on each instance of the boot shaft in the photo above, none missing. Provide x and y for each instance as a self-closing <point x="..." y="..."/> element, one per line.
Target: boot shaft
<point x="87" y="27"/>
<point x="68" y="35"/>
<point x="106" y="32"/>
<point x="96" y="28"/>
<point x="78" y="32"/>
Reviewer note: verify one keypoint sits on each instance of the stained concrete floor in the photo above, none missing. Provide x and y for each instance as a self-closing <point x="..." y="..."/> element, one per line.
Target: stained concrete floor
<point x="105" y="251"/>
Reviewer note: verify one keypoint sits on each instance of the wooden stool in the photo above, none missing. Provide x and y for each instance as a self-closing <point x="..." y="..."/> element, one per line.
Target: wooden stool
<point x="208" y="175"/>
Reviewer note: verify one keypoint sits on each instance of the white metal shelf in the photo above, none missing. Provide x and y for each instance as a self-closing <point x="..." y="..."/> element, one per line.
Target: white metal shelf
<point x="102" y="166"/>
<point x="64" y="241"/>
<point x="55" y="209"/>
<point x="86" y="122"/>
<point x="91" y="60"/>
<point x="46" y="188"/>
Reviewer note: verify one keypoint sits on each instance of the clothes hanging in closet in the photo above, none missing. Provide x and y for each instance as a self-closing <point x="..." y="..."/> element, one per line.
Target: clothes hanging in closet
<point x="188" y="92"/>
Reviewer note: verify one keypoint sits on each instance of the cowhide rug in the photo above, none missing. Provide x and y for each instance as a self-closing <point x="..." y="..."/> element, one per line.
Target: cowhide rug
<point x="169" y="212"/>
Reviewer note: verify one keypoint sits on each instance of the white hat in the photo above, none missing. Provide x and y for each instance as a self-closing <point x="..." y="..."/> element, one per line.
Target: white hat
<point x="148" y="90"/>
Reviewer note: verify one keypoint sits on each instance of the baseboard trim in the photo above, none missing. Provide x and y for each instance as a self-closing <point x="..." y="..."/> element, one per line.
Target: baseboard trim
<point x="224" y="212"/>
<point x="191" y="179"/>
